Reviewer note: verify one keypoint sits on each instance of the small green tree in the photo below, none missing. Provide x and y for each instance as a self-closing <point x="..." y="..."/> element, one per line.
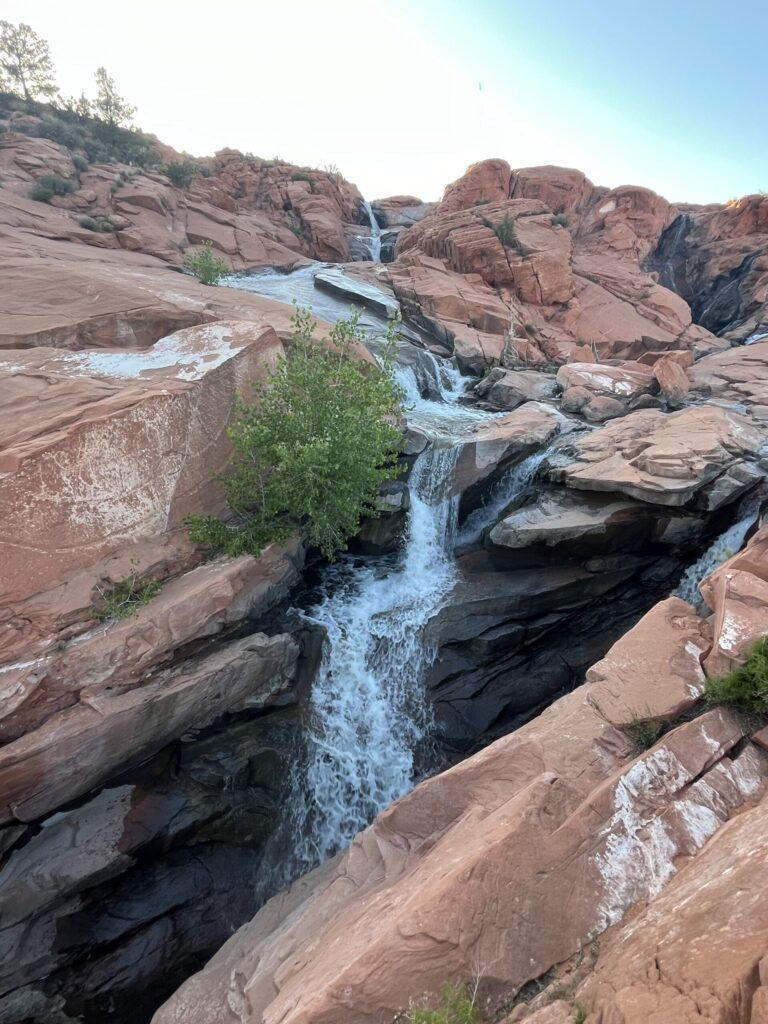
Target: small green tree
<point x="207" y="268"/>
<point x="25" y="61"/>
<point x="314" y="447"/>
<point x="109" y="106"/>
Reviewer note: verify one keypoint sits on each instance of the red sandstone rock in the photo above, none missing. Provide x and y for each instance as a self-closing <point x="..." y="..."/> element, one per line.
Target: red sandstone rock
<point x="669" y="459"/>
<point x="737" y="593"/>
<point x="560" y="821"/>
<point x="125" y="447"/>
<point x="738" y="374"/>
<point x="672" y="379"/>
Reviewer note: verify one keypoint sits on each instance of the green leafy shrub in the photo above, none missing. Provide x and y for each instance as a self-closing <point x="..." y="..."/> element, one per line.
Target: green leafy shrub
<point x="481" y="202"/>
<point x="182" y="172"/>
<point x="505" y="232"/>
<point x="745" y="687"/>
<point x="312" y="449"/>
<point x="207" y="268"/>
<point x="457" y="1006"/>
<point x="50" y="185"/>
<point x="559" y="220"/>
<point x="81" y="164"/>
<point x="124" y="598"/>
<point x="301" y="176"/>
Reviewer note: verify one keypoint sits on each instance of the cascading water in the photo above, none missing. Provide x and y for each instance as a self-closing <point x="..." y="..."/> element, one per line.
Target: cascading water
<point x="374" y="239"/>
<point x="507" y="489"/>
<point x="727" y="544"/>
<point x="368" y="712"/>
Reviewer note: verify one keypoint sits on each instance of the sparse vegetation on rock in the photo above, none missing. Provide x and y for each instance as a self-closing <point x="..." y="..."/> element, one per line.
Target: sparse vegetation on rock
<point x="99" y="224"/>
<point x="505" y="232"/>
<point x="182" y="172"/>
<point x="746" y="686"/>
<point x="312" y="449"/>
<point x="124" y="598"/>
<point x="457" y="1006"/>
<point x="207" y="268"/>
<point x="50" y="185"/>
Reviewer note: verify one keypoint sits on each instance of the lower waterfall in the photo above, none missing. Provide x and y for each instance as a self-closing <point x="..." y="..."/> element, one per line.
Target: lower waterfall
<point x="367" y="710"/>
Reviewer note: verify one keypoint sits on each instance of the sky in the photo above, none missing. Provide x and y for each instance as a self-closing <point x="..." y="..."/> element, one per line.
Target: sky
<point x="402" y="96"/>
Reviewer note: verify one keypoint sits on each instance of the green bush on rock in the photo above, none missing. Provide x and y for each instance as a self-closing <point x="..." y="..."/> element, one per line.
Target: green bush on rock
<point x="207" y="268"/>
<point x="745" y="687"/>
<point x="312" y="449"/>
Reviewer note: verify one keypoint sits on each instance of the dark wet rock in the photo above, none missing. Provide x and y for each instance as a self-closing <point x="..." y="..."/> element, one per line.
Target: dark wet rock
<point x="383" y="533"/>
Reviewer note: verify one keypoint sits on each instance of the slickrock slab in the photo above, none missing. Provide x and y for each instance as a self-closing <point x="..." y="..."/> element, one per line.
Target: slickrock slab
<point x="505" y="830"/>
<point x="82" y="748"/>
<point x="738" y="374"/>
<point x="62" y="295"/>
<point x="664" y="650"/>
<point x="698" y="453"/>
<point x="583" y="523"/>
<point x="104" y="448"/>
<point x="112" y="658"/>
<point x="697" y="952"/>
<point x="471" y="871"/>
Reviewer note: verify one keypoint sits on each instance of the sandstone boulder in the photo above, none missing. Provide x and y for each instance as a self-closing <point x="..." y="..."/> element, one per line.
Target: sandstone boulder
<point x="507" y="389"/>
<point x="489" y="447"/>
<point x="700" y="453"/>
<point x="672" y="380"/>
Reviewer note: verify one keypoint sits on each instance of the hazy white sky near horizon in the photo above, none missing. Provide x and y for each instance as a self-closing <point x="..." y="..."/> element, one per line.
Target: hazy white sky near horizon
<point x="403" y="95"/>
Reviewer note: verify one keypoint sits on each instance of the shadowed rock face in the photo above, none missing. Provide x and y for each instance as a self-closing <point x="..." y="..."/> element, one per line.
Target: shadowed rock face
<point x="716" y="258"/>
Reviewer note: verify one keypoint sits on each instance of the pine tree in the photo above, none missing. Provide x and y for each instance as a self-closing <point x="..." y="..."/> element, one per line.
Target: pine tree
<point x="109" y="106"/>
<point x="25" y="61"/>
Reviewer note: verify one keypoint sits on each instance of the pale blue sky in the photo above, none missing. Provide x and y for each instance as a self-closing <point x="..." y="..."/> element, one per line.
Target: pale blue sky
<point x="403" y="95"/>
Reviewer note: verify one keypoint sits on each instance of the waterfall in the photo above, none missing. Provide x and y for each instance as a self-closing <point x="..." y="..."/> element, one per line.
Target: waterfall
<point x="368" y="711"/>
<point x="727" y="544"/>
<point x="374" y="240"/>
<point x="507" y="489"/>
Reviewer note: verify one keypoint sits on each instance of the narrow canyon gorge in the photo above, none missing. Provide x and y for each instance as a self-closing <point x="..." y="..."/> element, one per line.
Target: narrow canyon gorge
<point x="288" y="790"/>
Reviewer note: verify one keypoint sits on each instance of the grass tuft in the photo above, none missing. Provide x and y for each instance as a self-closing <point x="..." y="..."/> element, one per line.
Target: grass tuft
<point x="746" y="686"/>
<point x="123" y="599"/>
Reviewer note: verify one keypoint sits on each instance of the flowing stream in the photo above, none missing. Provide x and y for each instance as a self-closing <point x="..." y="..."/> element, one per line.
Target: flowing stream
<point x="728" y="543"/>
<point x="367" y="714"/>
<point x="374" y="239"/>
